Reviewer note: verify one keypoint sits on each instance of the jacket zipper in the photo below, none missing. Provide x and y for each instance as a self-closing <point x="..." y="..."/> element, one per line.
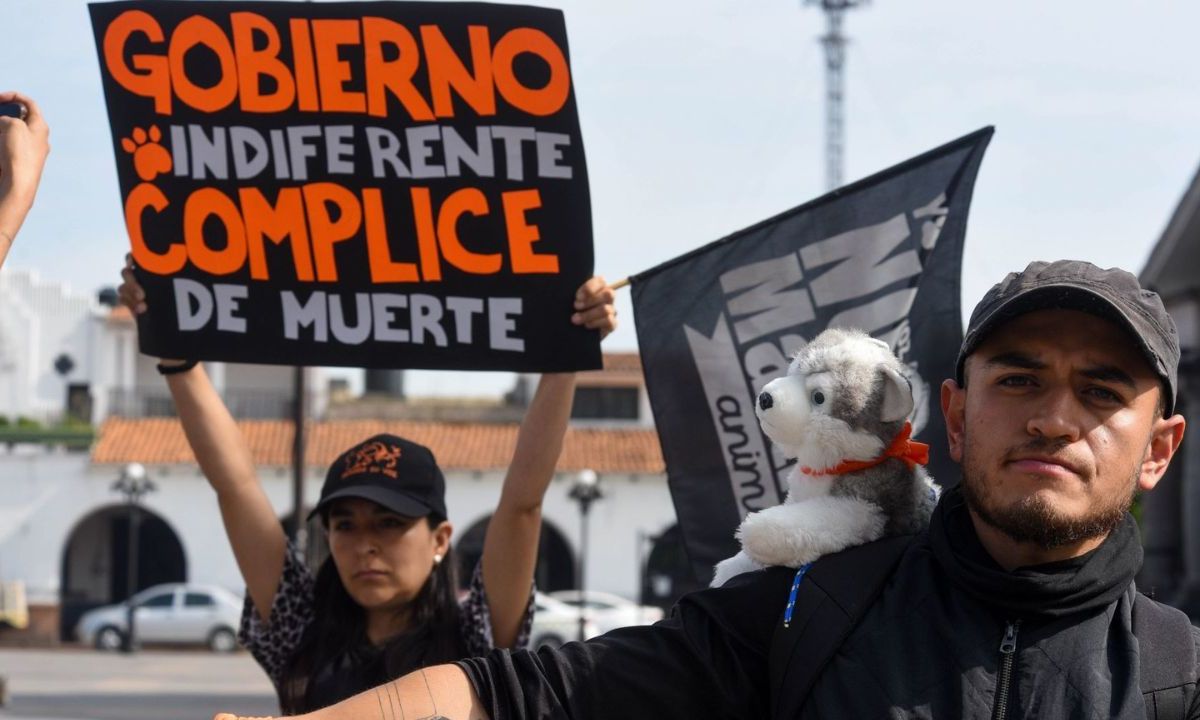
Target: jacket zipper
<point x="1008" y="649"/>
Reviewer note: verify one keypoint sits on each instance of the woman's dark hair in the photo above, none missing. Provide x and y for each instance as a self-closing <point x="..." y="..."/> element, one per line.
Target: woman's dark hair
<point x="338" y="633"/>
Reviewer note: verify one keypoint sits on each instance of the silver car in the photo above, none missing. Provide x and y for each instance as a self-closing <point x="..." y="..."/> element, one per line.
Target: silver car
<point x="555" y="622"/>
<point x="172" y="613"/>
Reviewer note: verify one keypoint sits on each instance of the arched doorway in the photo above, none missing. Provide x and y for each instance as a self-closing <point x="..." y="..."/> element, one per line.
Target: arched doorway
<point x="95" y="562"/>
<point x="555" y="566"/>
<point x="668" y="574"/>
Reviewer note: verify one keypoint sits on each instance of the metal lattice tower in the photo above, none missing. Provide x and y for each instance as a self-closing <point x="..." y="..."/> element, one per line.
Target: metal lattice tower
<point x="834" y="43"/>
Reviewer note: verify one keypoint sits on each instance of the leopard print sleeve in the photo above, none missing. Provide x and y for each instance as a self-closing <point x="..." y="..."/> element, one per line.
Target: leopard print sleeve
<point x="477" y="619"/>
<point x="272" y="643"/>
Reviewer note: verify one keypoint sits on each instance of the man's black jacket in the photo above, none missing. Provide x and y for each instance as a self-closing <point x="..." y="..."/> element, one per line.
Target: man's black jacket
<point x="929" y="647"/>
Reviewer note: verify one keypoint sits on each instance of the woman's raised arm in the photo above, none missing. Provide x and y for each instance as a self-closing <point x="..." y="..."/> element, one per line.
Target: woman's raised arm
<point x="511" y="544"/>
<point x="253" y="529"/>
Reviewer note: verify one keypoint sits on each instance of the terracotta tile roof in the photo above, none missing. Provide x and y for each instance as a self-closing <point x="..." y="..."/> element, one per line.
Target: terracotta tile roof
<point x="458" y="446"/>
<point x="621" y="369"/>
<point x="120" y="314"/>
<point x="623" y="361"/>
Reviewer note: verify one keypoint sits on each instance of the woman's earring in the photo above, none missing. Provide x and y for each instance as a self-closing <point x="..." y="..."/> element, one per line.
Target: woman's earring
<point x="437" y="559"/>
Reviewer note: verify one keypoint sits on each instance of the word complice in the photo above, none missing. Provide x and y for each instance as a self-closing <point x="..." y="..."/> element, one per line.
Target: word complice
<point x="315" y="218"/>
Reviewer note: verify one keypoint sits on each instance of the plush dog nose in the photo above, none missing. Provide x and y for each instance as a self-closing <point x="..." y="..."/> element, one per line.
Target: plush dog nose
<point x="765" y="401"/>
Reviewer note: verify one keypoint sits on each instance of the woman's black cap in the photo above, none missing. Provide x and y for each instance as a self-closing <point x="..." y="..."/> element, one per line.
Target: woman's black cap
<point x="398" y="474"/>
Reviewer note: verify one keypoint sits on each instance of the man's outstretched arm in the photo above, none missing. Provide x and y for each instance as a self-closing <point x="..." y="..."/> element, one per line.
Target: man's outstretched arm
<point x="709" y="659"/>
<point x="436" y="693"/>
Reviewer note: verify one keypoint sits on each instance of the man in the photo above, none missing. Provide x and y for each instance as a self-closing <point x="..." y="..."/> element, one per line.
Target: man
<point x="1018" y="601"/>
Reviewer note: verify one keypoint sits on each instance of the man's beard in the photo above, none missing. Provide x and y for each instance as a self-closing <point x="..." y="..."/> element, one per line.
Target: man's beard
<point x="1033" y="519"/>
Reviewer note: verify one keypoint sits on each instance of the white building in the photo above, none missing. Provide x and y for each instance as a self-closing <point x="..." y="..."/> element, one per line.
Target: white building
<point x="64" y="531"/>
<point x="44" y="322"/>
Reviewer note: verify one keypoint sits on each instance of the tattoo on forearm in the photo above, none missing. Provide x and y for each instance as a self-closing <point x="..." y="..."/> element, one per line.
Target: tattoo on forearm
<point x="395" y="693"/>
<point x="391" y="706"/>
<point x="384" y="713"/>
<point x="400" y="705"/>
<point x="436" y="715"/>
<point x="389" y="703"/>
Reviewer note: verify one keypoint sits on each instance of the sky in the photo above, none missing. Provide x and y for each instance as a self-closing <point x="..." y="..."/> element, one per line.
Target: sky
<point x="703" y="117"/>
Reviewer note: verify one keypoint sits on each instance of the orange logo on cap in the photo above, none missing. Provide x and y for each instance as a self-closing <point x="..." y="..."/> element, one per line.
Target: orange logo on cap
<point x="373" y="457"/>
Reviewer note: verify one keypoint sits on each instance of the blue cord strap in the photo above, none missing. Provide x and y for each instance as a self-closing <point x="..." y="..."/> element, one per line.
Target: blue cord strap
<point x="787" y="614"/>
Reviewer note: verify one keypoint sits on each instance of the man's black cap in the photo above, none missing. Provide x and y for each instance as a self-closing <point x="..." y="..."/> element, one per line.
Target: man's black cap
<point x="400" y="475"/>
<point x="1112" y="294"/>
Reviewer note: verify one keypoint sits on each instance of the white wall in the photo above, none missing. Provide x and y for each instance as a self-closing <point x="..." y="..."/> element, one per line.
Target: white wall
<point x="633" y="505"/>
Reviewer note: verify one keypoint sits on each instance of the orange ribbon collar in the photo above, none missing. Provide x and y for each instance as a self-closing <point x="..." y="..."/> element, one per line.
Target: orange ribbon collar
<point x="910" y="451"/>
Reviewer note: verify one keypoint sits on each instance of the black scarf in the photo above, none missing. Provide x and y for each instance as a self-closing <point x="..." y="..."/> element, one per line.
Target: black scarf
<point x="1054" y="589"/>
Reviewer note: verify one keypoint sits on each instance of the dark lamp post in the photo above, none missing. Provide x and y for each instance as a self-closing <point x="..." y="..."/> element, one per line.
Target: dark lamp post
<point x="585" y="491"/>
<point x="133" y="485"/>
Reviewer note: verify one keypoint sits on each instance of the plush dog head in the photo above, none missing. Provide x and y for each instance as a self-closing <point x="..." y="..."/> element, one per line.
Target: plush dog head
<point x="844" y="397"/>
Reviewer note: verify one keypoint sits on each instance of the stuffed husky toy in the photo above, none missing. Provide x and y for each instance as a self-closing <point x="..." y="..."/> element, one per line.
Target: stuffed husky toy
<point x="841" y="411"/>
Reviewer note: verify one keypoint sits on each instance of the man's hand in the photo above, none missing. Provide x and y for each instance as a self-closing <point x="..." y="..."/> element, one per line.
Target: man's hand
<point x="594" y="306"/>
<point x="24" y="145"/>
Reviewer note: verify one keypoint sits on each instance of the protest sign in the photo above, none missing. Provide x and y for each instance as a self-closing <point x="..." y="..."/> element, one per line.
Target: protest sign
<point x="882" y="255"/>
<point x="372" y="184"/>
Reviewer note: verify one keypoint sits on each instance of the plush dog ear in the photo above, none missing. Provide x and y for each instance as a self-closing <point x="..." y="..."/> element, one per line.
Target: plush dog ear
<point x="897" y="396"/>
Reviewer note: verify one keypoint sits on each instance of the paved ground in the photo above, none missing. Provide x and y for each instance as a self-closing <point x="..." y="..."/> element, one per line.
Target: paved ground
<point x="150" y="685"/>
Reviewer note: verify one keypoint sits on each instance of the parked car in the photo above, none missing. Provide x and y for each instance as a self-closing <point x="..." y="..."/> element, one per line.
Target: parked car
<point x="609" y="611"/>
<point x="172" y="613"/>
<point x="555" y="623"/>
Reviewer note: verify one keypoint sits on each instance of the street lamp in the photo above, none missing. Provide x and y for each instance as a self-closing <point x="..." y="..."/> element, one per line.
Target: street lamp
<point x="133" y="485"/>
<point x="585" y="491"/>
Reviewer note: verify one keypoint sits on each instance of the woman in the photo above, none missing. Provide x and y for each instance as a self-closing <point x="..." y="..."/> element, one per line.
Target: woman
<point x="383" y="604"/>
<point x="24" y="145"/>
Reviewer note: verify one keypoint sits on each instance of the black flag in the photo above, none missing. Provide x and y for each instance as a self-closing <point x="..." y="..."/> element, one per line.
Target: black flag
<point x="715" y="325"/>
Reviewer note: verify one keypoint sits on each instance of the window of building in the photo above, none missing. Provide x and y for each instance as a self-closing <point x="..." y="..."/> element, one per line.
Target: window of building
<point x="605" y="403"/>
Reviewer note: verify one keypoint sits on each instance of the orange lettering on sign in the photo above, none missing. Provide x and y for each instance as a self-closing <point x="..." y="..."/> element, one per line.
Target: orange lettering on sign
<point x="192" y="33"/>
<point x="332" y="71"/>
<point x="522" y="235"/>
<point x="379" y="255"/>
<point x="145" y="196"/>
<point x="465" y="200"/>
<point x="254" y="64"/>
<point x="326" y="232"/>
<point x="306" y="74"/>
<point x="318" y="77"/>
<point x="427" y="244"/>
<point x="203" y="204"/>
<point x="153" y="80"/>
<point x="446" y="71"/>
<point x="283" y="220"/>
<point x="544" y="101"/>
<point x="394" y="76"/>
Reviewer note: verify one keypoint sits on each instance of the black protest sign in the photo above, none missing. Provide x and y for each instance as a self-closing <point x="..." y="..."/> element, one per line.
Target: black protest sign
<point x="715" y="325"/>
<point x="373" y="184"/>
